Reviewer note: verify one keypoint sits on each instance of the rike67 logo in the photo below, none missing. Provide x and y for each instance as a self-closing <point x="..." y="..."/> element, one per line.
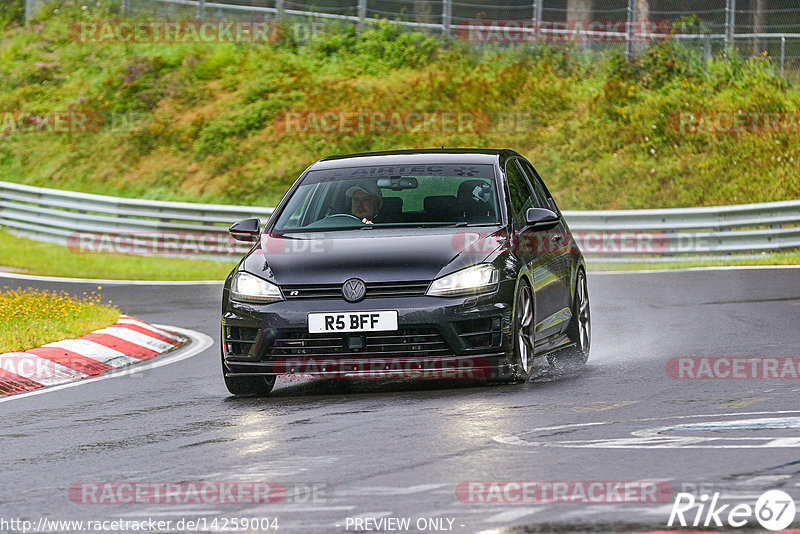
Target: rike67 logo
<point x="774" y="510"/>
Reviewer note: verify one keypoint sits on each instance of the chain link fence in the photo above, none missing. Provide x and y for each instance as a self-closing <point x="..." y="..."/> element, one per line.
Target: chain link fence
<point x="752" y="27"/>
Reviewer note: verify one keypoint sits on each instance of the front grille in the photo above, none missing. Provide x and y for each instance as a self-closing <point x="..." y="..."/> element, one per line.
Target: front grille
<point x="239" y="340"/>
<point x="416" y="342"/>
<point x="374" y="290"/>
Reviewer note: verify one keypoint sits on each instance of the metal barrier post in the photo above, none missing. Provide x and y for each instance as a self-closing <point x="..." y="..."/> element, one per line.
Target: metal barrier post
<point x="201" y="9"/>
<point x="447" y="15"/>
<point x="279" y="7"/>
<point x="727" y="25"/>
<point x="783" y="52"/>
<point x="539" y="6"/>
<point x="629" y="29"/>
<point x="362" y="12"/>
<point x="28" y="10"/>
<point x="730" y="26"/>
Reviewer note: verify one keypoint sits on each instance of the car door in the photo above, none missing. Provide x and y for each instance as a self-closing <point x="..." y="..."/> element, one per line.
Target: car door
<point x="532" y="250"/>
<point x="559" y="259"/>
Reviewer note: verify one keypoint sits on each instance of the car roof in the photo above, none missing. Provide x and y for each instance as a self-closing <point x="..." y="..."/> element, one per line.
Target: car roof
<point x="434" y="155"/>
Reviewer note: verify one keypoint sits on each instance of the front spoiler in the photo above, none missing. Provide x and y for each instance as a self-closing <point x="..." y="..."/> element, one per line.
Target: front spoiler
<point x="472" y="367"/>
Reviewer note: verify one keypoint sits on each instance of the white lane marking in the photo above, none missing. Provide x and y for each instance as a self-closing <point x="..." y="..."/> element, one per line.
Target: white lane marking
<point x="95" y="351"/>
<point x="663" y="442"/>
<point x="643" y="420"/>
<point x="687" y="442"/>
<point x="124" y="319"/>
<point x="691" y="269"/>
<point x="40" y="370"/>
<point x="136" y="338"/>
<point x="764" y="423"/>
<point x="199" y="343"/>
<point x="511" y="515"/>
<point x="39" y="278"/>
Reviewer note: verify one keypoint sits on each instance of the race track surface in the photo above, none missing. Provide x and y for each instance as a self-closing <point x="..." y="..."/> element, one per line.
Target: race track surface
<point x="400" y="450"/>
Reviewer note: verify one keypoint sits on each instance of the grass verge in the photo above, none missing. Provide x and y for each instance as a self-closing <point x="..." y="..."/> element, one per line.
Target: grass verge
<point x="778" y="258"/>
<point x="33" y="317"/>
<point x="18" y="254"/>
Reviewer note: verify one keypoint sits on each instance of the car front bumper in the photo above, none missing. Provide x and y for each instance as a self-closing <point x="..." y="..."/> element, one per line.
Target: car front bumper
<point x="437" y="337"/>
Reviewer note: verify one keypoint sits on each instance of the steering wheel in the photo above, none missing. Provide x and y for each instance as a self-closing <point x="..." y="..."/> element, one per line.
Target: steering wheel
<point x="343" y="215"/>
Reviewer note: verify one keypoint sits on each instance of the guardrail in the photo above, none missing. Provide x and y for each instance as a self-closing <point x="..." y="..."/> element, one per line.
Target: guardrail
<point x="716" y="230"/>
<point x="104" y="223"/>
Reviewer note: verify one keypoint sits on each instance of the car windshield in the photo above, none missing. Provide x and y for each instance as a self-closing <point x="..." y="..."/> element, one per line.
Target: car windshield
<point x="392" y="195"/>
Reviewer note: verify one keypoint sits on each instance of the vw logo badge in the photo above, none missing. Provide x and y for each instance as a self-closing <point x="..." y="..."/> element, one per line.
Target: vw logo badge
<point x="354" y="290"/>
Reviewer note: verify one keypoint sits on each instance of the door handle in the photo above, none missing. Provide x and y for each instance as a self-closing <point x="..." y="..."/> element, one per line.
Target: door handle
<point x="556" y="237"/>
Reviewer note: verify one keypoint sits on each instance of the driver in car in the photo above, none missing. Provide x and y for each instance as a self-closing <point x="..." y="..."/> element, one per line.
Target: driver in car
<point x="367" y="201"/>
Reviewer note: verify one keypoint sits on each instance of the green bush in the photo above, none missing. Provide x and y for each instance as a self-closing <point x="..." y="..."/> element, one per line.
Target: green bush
<point x="12" y="12"/>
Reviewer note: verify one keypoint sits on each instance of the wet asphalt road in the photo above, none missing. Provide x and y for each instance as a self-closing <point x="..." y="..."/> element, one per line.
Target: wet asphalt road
<point x="400" y="450"/>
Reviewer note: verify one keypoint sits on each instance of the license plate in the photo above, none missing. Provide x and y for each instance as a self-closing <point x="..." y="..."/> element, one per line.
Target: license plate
<point x="370" y="321"/>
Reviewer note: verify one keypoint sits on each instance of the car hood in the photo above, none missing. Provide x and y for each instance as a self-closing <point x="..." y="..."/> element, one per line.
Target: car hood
<point x="372" y="255"/>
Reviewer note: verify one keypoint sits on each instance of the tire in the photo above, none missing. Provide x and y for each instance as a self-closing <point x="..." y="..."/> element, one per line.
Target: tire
<point x="579" y="330"/>
<point x="250" y="386"/>
<point x="523" y="334"/>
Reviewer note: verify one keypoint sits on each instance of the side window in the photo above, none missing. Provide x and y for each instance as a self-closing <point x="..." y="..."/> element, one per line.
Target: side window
<point x="520" y="192"/>
<point x="544" y="200"/>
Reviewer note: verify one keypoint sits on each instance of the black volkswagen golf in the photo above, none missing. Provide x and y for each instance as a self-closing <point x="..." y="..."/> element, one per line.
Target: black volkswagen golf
<point x="452" y="263"/>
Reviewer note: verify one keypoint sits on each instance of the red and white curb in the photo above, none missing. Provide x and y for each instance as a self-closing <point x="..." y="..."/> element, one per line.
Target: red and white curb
<point x="126" y="342"/>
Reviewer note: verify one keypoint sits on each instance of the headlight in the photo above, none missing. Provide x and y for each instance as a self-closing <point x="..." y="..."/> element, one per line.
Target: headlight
<point x="477" y="279"/>
<point x="246" y="287"/>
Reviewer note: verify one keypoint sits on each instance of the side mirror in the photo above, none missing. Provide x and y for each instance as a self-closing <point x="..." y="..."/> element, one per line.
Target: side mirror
<point x="541" y="219"/>
<point x="246" y="230"/>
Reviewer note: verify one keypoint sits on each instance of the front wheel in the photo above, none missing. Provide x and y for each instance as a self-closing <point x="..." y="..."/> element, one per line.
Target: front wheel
<point x="250" y="386"/>
<point x="579" y="330"/>
<point x="523" y="334"/>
